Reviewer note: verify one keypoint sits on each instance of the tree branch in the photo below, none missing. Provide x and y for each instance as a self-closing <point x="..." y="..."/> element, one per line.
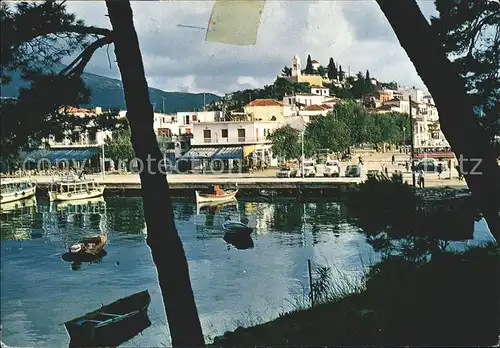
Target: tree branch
<point x="15" y="40"/>
<point x="78" y="64"/>
<point x="467" y="138"/>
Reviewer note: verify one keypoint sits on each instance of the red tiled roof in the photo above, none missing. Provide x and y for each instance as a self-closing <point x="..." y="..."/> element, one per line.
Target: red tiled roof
<point x="316" y="108"/>
<point x="316" y="86"/>
<point x="265" y="102"/>
<point x="314" y="61"/>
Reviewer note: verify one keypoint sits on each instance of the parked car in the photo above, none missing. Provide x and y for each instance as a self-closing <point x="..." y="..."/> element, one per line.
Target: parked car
<point x="286" y="172"/>
<point x="353" y="171"/>
<point x="332" y="168"/>
<point x="430" y="165"/>
<point x="309" y="168"/>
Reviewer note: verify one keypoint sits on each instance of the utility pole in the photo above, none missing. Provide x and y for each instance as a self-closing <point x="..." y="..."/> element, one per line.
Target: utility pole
<point x="412" y="148"/>
<point x="204" y="102"/>
<point x="163" y="104"/>
<point x="302" y="145"/>
<point x="103" y="167"/>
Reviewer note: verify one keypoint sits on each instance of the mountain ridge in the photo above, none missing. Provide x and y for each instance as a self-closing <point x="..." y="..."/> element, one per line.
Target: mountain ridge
<point x="107" y="93"/>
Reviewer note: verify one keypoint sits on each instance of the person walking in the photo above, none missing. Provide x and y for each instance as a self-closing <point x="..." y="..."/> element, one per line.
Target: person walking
<point x="421" y="179"/>
<point x="439" y="170"/>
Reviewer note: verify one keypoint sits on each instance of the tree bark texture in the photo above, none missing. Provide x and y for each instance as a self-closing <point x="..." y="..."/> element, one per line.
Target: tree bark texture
<point x="163" y="239"/>
<point x="459" y="124"/>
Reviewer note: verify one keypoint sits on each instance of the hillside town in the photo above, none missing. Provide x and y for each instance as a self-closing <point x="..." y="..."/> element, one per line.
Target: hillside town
<point x="242" y="136"/>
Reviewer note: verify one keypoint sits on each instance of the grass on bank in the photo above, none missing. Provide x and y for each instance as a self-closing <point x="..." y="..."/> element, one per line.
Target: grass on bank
<point x="452" y="300"/>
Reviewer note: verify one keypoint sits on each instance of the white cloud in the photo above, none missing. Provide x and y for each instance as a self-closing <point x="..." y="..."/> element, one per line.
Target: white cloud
<point x="355" y="33"/>
<point x="248" y="80"/>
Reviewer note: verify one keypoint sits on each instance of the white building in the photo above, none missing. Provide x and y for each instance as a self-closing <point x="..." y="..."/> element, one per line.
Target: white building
<point x="232" y="142"/>
<point x="304" y="98"/>
<point x="77" y="138"/>
<point x="398" y="105"/>
<point x="416" y="94"/>
<point x="319" y="90"/>
<point x="182" y="122"/>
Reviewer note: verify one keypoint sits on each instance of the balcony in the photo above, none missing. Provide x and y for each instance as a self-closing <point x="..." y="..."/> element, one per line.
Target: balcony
<point x="66" y="143"/>
<point x="229" y="141"/>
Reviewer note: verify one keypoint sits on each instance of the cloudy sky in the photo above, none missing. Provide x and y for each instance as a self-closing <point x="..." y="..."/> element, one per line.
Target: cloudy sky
<point x="355" y="33"/>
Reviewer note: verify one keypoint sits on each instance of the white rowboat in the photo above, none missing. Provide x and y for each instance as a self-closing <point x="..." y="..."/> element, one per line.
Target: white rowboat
<point x="212" y="197"/>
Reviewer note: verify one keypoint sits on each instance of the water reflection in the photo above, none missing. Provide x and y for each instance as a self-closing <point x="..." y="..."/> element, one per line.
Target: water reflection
<point x="239" y="241"/>
<point x="227" y="280"/>
<point x="16" y="218"/>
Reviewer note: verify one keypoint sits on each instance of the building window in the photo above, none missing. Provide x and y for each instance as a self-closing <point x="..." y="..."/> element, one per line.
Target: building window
<point x="187" y="119"/>
<point x="224" y="133"/>
<point x="207" y="136"/>
<point x="241" y="135"/>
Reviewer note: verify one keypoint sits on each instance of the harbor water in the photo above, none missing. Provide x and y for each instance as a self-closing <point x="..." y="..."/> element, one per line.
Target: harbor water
<point x="233" y="287"/>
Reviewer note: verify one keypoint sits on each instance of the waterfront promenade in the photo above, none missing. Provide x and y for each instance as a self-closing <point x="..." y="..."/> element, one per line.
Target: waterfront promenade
<point x="267" y="179"/>
<point x="260" y="180"/>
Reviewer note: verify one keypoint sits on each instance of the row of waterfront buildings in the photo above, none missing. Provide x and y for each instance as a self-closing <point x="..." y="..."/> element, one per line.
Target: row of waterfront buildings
<point x="242" y="137"/>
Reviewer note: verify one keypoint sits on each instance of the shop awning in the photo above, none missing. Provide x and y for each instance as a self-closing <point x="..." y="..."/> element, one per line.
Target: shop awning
<point x="59" y="155"/>
<point x="232" y="152"/>
<point x="201" y="153"/>
<point x="247" y="150"/>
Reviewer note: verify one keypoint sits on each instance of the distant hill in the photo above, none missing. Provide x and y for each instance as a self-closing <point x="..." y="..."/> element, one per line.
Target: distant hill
<point x="108" y="93"/>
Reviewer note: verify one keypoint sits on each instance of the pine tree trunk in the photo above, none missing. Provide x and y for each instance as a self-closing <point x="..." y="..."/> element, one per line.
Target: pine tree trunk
<point x="467" y="138"/>
<point x="163" y="239"/>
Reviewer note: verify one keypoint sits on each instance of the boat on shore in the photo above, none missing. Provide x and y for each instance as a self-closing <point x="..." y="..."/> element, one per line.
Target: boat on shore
<point x="70" y="189"/>
<point x="15" y="189"/>
<point x="89" y="246"/>
<point x="111" y="325"/>
<point x="219" y="195"/>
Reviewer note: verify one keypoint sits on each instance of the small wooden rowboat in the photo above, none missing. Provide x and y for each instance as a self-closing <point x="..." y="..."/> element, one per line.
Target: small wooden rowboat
<point x="236" y="227"/>
<point x="89" y="246"/>
<point x="225" y="195"/>
<point x="111" y="325"/>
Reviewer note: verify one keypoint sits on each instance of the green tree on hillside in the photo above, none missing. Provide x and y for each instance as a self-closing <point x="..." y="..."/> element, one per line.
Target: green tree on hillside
<point x="341" y="74"/>
<point x="332" y="72"/>
<point x="389" y="85"/>
<point x="322" y="71"/>
<point x="309" y="67"/>
<point x="286" y="71"/>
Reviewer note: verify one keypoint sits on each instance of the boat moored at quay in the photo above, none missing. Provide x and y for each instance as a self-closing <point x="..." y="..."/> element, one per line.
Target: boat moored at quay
<point x="15" y="189"/>
<point x="69" y="188"/>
